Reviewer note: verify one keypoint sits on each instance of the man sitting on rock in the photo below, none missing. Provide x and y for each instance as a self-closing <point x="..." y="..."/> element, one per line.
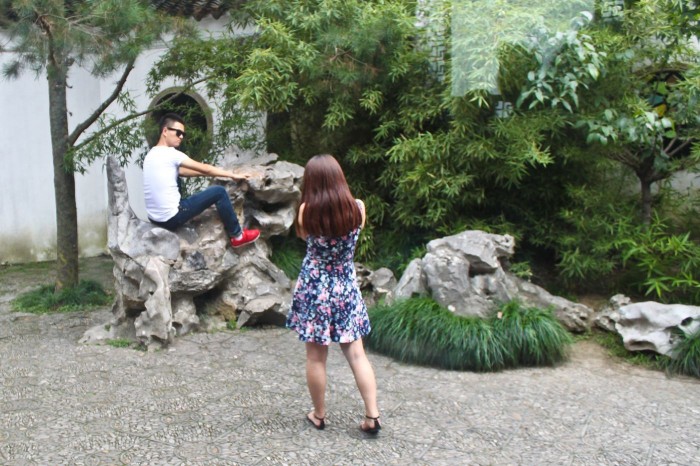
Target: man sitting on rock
<point x="161" y="168"/>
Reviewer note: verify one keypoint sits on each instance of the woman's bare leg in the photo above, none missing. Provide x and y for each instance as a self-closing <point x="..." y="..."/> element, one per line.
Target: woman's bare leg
<point x="364" y="378"/>
<point x="316" y="356"/>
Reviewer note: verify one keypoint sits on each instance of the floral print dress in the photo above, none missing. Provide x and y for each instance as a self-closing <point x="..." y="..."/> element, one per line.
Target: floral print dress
<point x="327" y="304"/>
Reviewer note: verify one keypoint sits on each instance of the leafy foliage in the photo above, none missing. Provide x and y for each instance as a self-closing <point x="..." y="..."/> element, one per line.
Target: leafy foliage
<point x="631" y="85"/>
<point x="287" y="254"/>
<point x="686" y="355"/>
<point x="433" y="157"/>
<point x="668" y="264"/>
<point x="420" y="331"/>
<point x="608" y="249"/>
<point x="86" y="295"/>
<point x="105" y="37"/>
<point x="120" y="343"/>
<point x="536" y="337"/>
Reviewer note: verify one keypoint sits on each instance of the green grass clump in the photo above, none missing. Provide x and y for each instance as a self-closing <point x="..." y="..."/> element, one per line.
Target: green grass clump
<point x="420" y="331"/>
<point x="287" y="254"/>
<point x="686" y="356"/>
<point x="536" y="338"/>
<point x="119" y="343"/>
<point x="86" y="295"/>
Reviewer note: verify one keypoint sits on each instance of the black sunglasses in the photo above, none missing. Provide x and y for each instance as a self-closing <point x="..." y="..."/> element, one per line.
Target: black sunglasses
<point x="178" y="132"/>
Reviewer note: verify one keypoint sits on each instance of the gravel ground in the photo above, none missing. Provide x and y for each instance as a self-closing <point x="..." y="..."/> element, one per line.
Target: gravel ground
<point x="239" y="397"/>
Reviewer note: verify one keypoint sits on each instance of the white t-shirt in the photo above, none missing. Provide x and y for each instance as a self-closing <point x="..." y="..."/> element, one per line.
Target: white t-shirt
<point x="160" y="172"/>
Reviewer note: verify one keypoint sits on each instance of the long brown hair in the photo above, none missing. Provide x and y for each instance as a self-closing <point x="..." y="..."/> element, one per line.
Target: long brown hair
<point x="329" y="208"/>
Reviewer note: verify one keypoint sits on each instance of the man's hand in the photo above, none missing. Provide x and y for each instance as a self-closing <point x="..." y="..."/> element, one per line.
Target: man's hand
<point x="246" y="173"/>
<point x="240" y="176"/>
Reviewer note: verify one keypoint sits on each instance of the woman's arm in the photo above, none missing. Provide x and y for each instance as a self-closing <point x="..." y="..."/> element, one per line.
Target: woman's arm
<point x="301" y="233"/>
<point x="362" y="211"/>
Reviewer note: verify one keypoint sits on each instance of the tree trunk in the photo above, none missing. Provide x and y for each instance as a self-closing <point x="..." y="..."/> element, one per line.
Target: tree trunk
<point x="63" y="178"/>
<point x="646" y="201"/>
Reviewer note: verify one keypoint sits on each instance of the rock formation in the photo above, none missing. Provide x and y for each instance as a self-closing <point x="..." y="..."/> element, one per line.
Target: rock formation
<point x="651" y="326"/>
<point x="468" y="274"/>
<point x="374" y="284"/>
<point x="164" y="281"/>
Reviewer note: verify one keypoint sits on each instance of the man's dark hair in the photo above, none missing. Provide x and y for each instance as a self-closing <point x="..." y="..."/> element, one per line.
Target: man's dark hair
<point x="168" y="119"/>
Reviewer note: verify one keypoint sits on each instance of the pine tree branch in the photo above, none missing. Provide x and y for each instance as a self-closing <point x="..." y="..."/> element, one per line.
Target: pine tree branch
<point x="80" y="129"/>
<point x="132" y="116"/>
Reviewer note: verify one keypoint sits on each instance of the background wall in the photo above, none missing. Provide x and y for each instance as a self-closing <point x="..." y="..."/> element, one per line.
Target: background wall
<point x="27" y="207"/>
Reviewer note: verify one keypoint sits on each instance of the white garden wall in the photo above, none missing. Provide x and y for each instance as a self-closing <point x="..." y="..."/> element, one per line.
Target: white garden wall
<point x="27" y="208"/>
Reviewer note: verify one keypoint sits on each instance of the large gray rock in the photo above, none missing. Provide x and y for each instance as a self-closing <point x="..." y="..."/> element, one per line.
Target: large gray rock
<point x="374" y="284"/>
<point x="650" y="326"/>
<point x="467" y="273"/>
<point x="164" y="281"/>
<point x="608" y="316"/>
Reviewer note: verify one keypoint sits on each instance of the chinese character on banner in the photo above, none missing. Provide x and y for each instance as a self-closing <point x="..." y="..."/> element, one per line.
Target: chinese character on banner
<point x="504" y="109"/>
<point x="437" y="59"/>
<point x="612" y="10"/>
<point x="430" y="17"/>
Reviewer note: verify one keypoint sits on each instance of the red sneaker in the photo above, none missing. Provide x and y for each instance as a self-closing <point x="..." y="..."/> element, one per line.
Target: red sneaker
<point x="249" y="236"/>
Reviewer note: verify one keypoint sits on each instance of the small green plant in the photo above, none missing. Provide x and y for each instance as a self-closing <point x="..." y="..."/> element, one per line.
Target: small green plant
<point x="119" y="343"/>
<point x="86" y="295"/>
<point x="608" y="248"/>
<point x="686" y="355"/>
<point x="521" y="270"/>
<point x="668" y="263"/>
<point x="420" y="331"/>
<point x="536" y="338"/>
<point x="232" y="324"/>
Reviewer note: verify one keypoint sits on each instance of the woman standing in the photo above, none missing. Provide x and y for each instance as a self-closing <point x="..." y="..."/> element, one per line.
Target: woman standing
<point x="327" y="305"/>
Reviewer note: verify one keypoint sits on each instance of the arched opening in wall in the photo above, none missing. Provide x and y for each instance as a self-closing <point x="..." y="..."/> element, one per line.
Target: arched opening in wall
<point x="198" y="122"/>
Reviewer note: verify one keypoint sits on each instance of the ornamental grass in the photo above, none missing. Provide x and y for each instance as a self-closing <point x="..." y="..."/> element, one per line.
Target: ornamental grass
<point x="88" y="294"/>
<point x="420" y="331"/>
<point x="686" y="355"/>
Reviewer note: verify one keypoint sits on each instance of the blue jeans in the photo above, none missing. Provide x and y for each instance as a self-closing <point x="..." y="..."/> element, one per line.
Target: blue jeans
<point x="194" y="205"/>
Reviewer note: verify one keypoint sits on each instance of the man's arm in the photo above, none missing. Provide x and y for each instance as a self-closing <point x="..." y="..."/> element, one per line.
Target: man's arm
<point x="190" y="167"/>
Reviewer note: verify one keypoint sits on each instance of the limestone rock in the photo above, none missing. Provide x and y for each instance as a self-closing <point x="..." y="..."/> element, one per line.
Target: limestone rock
<point x="610" y="314"/>
<point x="374" y="285"/>
<point x="651" y="326"/>
<point x="164" y="280"/>
<point x="468" y="272"/>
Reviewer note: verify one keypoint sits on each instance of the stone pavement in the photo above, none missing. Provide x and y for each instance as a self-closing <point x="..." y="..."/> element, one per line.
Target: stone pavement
<point x="239" y="397"/>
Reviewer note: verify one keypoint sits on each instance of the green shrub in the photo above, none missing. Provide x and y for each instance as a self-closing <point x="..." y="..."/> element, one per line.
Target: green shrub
<point x="686" y="355"/>
<point x="666" y="263"/>
<point x="420" y="331"/>
<point x="287" y="254"/>
<point x="609" y="249"/>
<point x="536" y="337"/>
<point x="87" y="294"/>
<point x="588" y="249"/>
